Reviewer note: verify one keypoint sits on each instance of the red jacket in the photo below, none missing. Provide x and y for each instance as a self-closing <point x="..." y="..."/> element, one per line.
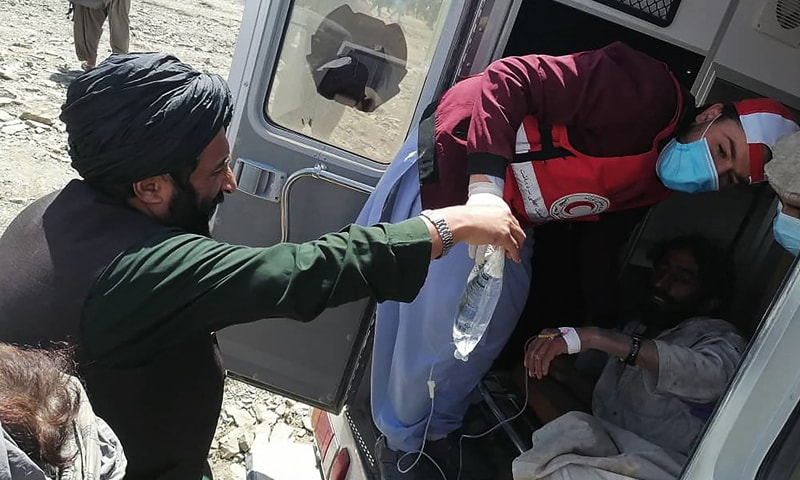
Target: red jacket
<point x="608" y="112"/>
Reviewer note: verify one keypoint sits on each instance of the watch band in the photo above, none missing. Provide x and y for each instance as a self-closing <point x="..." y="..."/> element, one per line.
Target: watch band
<point x="442" y="229"/>
<point x="633" y="354"/>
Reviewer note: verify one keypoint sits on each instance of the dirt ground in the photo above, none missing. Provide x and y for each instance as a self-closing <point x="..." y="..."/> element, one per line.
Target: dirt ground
<point x="37" y="62"/>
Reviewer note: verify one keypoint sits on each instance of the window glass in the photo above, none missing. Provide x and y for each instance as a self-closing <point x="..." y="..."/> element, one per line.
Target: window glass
<point x="350" y="73"/>
<point x="782" y="461"/>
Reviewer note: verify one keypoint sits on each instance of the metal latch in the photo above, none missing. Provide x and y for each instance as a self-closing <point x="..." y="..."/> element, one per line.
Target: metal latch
<point x="259" y="180"/>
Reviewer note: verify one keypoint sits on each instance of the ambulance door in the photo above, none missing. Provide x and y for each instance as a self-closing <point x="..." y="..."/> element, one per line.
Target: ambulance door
<point x="325" y="93"/>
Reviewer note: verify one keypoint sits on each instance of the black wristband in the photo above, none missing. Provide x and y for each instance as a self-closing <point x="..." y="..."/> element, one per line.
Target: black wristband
<point x="633" y="354"/>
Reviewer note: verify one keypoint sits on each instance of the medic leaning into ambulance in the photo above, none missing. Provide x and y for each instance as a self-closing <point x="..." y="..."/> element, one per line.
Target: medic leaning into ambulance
<point x="551" y="138"/>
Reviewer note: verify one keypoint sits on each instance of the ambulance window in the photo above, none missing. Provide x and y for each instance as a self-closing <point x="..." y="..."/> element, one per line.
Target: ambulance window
<point x="725" y="91"/>
<point x="350" y="73"/>
<point x="782" y="461"/>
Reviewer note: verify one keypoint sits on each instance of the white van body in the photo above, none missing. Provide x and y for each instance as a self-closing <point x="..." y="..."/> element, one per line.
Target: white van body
<point x="305" y="165"/>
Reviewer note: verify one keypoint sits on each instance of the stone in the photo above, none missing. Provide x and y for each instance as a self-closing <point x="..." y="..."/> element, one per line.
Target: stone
<point x="263" y="430"/>
<point x="245" y="437"/>
<point x="13" y="129"/>
<point x="18" y="201"/>
<point x="6" y="101"/>
<point x="284" y="461"/>
<point x="39" y="125"/>
<point x="229" y="445"/>
<point x="281" y="433"/>
<point x="307" y="423"/>
<point x="240" y="416"/>
<point x="281" y="410"/>
<point x="295" y="421"/>
<point x="60" y="158"/>
<point x="36" y="118"/>
<point x="264" y="414"/>
<point x="237" y="471"/>
<point x="6" y="117"/>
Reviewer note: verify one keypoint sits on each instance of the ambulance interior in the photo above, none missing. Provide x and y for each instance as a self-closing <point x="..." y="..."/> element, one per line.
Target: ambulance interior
<point x="588" y="273"/>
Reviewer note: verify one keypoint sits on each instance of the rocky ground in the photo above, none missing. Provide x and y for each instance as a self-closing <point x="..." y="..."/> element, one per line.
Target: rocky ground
<point x="248" y="411"/>
<point x="37" y="62"/>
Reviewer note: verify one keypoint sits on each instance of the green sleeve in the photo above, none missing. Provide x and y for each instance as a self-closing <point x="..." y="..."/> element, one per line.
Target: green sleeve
<point x="178" y="285"/>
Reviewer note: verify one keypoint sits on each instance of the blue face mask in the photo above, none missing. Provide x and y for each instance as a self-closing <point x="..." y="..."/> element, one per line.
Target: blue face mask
<point x="786" y="230"/>
<point x="688" y="167"/>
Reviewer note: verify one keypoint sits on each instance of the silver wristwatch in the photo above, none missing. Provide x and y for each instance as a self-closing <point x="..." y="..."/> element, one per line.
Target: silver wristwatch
<point x="441" y="228"/>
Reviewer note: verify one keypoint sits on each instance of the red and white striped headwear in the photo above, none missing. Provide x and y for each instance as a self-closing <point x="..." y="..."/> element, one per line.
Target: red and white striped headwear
<point x="764" y="121"/>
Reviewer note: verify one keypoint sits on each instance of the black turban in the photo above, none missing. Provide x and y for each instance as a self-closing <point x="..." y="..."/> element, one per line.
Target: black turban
<point x="136" y="116"/>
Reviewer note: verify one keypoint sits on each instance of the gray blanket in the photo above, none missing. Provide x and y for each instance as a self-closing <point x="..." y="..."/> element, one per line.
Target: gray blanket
<point x="579" y="446"/>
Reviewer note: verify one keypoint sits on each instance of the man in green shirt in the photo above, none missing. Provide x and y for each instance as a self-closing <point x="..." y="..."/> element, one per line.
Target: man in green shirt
<point x="121" y="263"/>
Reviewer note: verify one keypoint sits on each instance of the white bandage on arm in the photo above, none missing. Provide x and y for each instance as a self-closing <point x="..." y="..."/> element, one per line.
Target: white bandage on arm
<point x="494" y="186"/>
<point x="498" y="182"/>
<point x="572" y="339"/>
<point x="486" y="193"/>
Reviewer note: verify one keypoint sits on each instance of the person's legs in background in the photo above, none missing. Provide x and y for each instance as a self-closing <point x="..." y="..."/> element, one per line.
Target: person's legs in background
<point x="119" y="25"/>
<point x="87" y="24"/>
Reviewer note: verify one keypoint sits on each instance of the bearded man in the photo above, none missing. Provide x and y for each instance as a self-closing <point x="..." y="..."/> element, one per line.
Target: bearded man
<point x="663" y="375"/>
<point x="121" y="264"/>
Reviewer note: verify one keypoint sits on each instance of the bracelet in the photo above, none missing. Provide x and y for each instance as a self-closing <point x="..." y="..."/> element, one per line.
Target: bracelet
<point x="636" y="345"/>
<point x="442" y="229"/>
